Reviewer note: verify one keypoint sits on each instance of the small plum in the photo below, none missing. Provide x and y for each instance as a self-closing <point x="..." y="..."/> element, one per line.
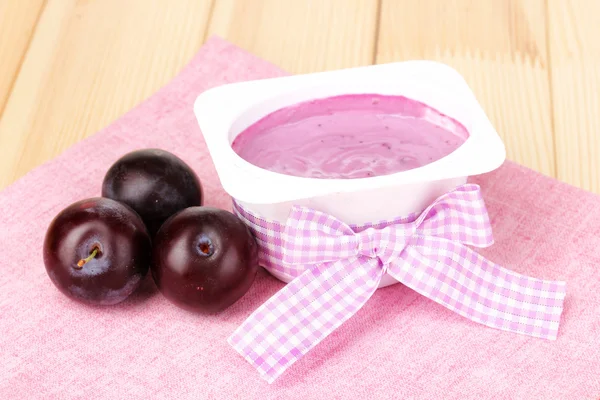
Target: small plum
<point x="155" y="183"/>
<point x="97" y="251"/>
<point x="204" y="259"/>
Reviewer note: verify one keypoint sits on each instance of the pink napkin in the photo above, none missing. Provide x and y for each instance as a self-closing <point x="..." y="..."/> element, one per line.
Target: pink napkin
<point x="400" y="345"/>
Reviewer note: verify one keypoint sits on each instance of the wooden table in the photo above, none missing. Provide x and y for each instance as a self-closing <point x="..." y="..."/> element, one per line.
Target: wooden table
<point x="68" y="68"/>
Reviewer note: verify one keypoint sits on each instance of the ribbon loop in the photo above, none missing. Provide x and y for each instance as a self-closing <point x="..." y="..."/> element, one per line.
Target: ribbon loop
<point x="458" y="216"/>
<point x="312" y="237"/>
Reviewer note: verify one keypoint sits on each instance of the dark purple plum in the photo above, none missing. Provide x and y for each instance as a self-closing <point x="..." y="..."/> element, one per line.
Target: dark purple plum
<point x="97" y="251"/>
<point x="155" y="183"/>
<point x="204" y="259"/>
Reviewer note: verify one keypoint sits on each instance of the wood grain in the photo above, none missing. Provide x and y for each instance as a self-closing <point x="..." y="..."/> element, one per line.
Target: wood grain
<point x="499" y="46"/>
<point x="88" y="63"/>
<point x="70" y="67"/>
<point x="300" y="36"/>
<point x="17" y="22"/>
<point x="574" y="32"/>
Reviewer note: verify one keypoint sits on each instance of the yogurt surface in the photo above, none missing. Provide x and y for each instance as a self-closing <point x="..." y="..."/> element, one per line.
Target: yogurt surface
<point x="350" y="136"/>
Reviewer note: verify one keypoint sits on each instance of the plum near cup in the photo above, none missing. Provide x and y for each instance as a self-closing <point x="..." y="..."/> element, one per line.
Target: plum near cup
<point x="155" y="183"/>
<point x="97" y="251"/>
<point x="204" y="259"/>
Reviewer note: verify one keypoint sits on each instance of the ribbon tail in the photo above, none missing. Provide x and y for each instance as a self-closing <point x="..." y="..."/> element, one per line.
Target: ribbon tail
<point x="304" y="312"/>
<point x="470" y="285"/>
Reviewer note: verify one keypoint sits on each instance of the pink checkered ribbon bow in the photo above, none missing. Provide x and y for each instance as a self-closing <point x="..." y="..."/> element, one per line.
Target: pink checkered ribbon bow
<point x="336" y="268"/>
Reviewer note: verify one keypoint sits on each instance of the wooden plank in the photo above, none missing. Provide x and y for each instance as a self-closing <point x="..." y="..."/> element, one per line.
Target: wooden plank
<point x="88" y="63"/>
<point x="499" y="46"/>
<point x="300" y="36"/>
<point x="17" y="22"/>
<point x="575" y="77"/>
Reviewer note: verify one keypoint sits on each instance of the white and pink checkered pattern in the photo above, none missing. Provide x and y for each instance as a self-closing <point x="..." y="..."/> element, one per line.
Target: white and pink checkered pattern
<point x="336" y="268"/>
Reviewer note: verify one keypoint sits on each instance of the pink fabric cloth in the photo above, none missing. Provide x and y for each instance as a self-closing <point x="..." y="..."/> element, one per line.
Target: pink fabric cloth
<point x="399" y="345"/>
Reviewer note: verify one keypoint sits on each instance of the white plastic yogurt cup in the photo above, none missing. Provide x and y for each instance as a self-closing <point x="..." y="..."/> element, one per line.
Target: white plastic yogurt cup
<point x="225" y="111"/>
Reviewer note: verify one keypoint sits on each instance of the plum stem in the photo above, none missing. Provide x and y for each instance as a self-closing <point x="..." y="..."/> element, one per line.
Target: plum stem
<point x="205" y="248"/>
<point x="83" y="261"/>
